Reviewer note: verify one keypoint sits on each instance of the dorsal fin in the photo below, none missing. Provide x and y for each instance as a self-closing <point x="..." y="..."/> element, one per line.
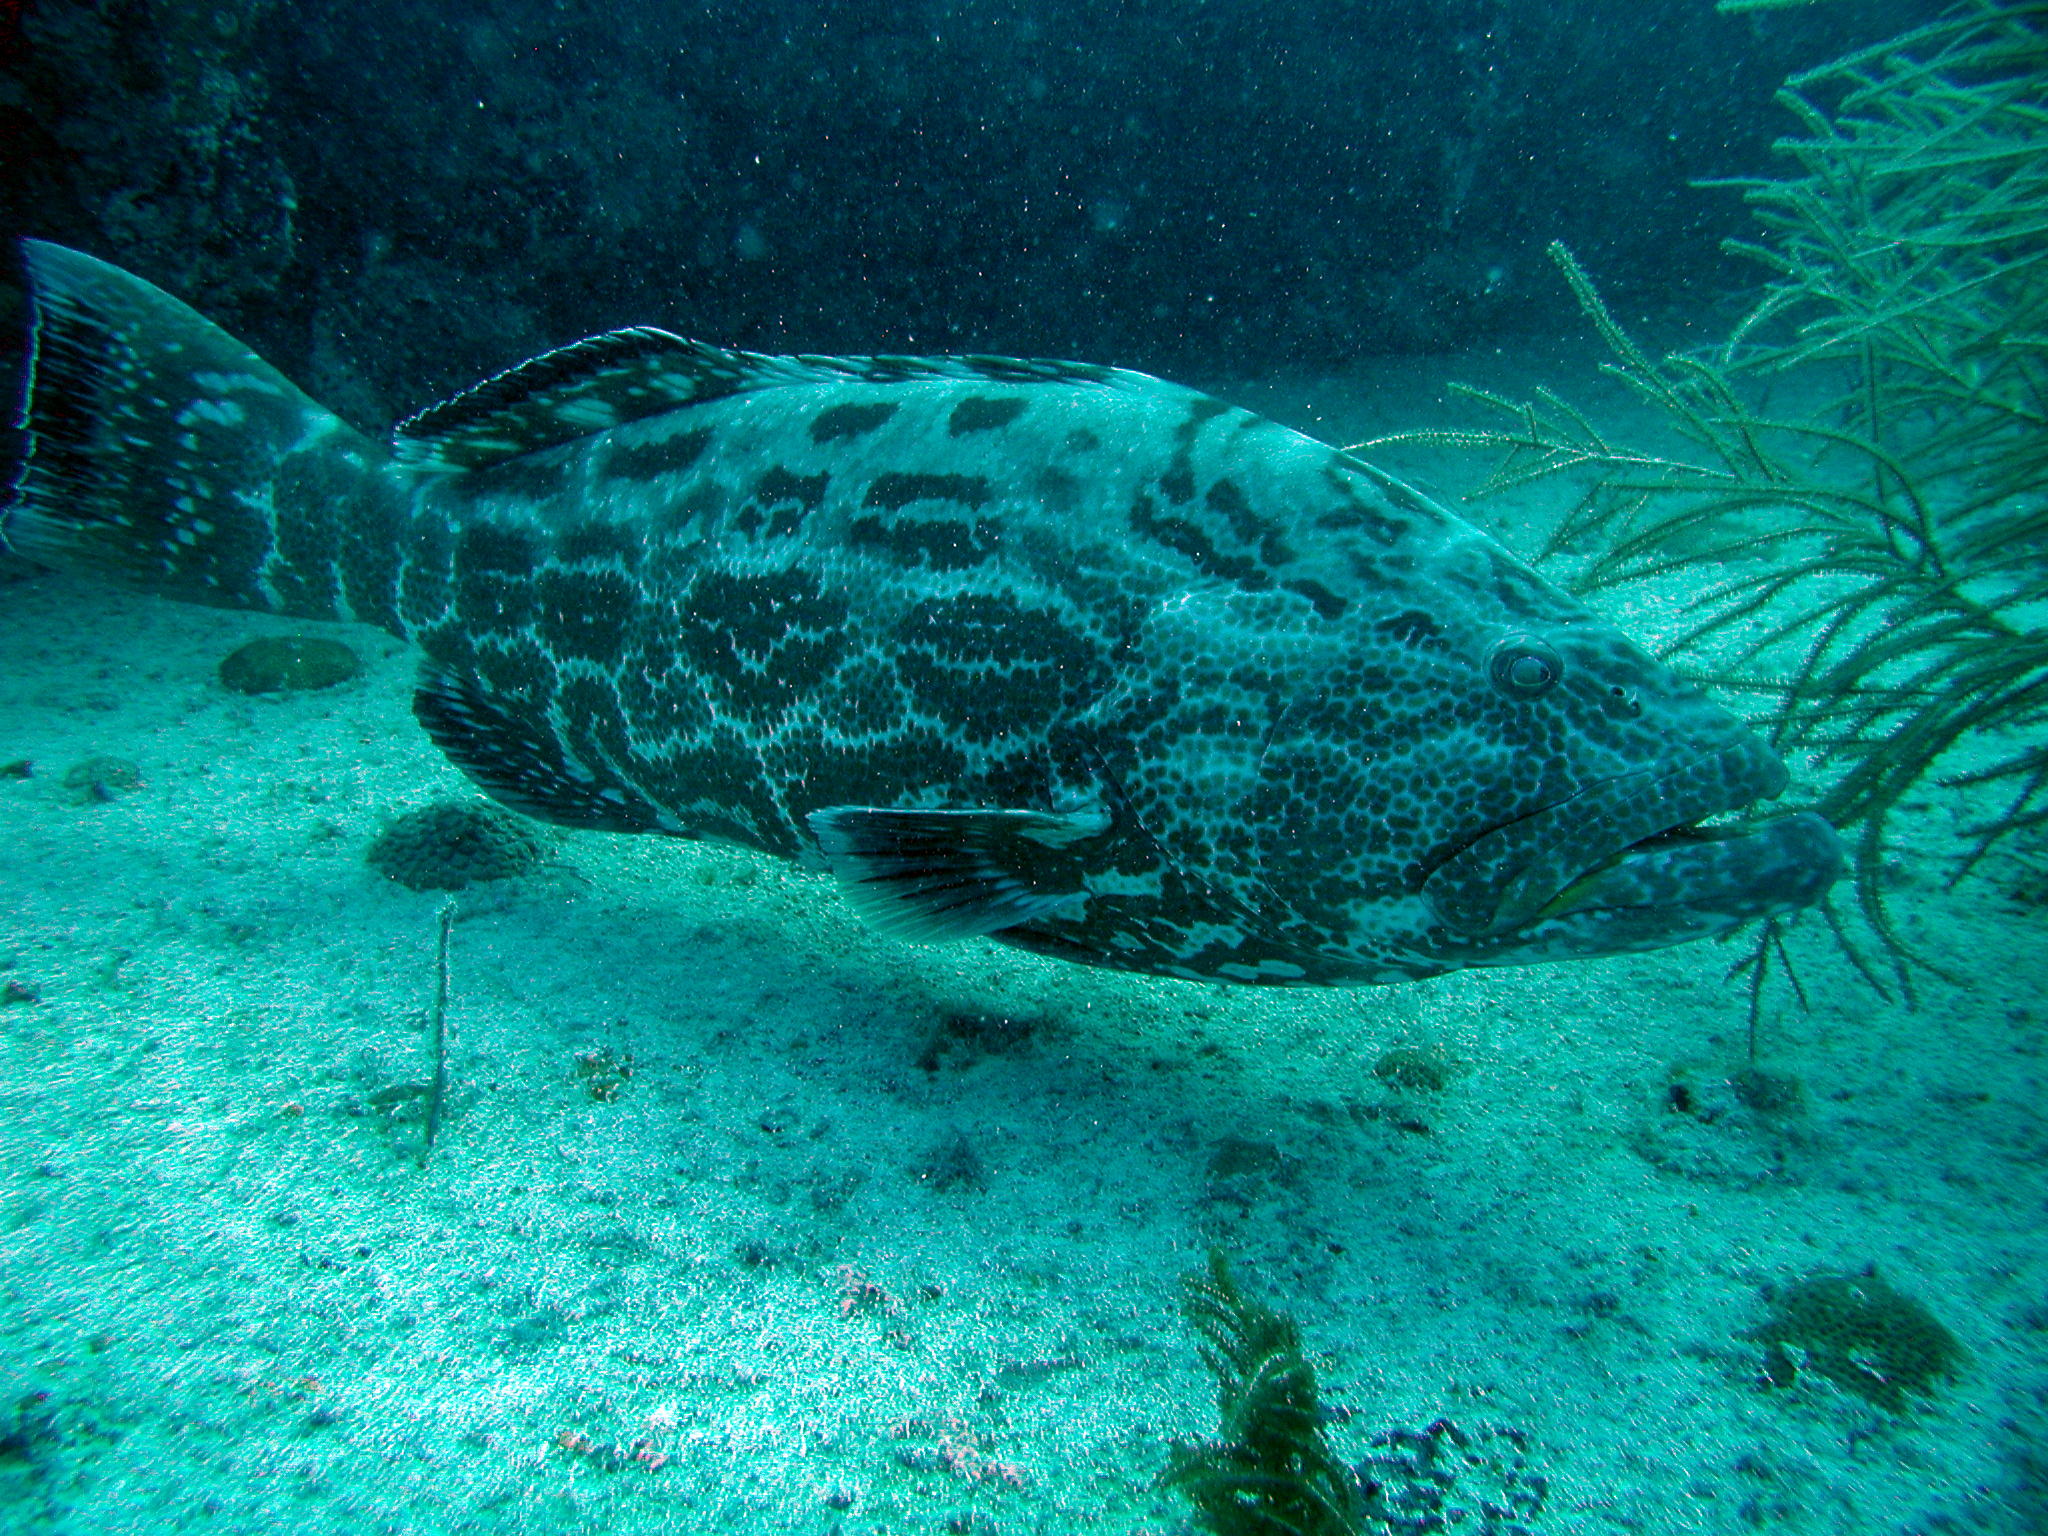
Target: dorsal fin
<point x="587" y="386"/>
<point x="604" y="381"/>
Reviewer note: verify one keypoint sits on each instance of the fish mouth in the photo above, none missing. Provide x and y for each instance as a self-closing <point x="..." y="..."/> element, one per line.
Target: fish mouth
<point x="1635" y="843"/>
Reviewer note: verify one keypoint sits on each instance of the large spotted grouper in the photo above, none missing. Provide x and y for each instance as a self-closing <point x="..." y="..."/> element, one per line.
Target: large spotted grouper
<point x="1064" y="655"/>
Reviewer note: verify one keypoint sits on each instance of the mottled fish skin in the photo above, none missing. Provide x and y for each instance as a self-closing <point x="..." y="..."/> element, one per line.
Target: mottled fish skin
<point x="1277" y="717"/>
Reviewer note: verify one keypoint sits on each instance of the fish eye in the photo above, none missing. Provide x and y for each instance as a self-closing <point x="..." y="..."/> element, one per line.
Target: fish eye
<point x="1523" y="667"/>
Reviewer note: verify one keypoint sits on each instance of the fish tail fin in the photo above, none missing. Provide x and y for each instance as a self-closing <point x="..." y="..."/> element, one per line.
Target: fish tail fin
<point x="158" y="451"/>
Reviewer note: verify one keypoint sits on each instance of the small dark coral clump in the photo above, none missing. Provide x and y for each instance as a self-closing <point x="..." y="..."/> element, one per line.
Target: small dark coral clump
<point x="965" y="1037"/>
<point x="102" y="778"/>
<point x="604" y="1072"/>
<point x="1860" y="1334"/>
<point x="288" y="664"/>
<point x="1423" y="1071"/>
<point x="447" y="846"/>
<point x="1421" y="1481"/>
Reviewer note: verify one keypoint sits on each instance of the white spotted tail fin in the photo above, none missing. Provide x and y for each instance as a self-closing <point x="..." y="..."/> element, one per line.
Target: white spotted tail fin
<point x="159" y="451"/>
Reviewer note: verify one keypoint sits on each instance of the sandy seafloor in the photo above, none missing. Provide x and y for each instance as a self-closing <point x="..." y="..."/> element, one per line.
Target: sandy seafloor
<point x="232" y="1299"/>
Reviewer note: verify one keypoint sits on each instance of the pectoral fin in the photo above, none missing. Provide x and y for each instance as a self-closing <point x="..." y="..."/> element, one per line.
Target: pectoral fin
<point x="937" y="875"/>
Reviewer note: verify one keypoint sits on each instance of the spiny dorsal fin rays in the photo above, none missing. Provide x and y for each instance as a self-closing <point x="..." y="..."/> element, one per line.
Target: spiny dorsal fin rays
<point x="628" y="375"/>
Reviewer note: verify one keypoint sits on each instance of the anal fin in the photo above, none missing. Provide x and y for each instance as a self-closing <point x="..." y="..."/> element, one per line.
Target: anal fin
<point x="517" y="754"/>
<point x="938" y="875"/>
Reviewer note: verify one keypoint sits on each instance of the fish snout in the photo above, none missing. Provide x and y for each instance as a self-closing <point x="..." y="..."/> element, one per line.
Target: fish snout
<point x="1641" y="824"/>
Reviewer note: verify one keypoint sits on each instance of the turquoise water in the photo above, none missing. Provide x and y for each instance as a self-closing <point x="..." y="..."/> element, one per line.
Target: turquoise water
<point x="736" y="1215"/>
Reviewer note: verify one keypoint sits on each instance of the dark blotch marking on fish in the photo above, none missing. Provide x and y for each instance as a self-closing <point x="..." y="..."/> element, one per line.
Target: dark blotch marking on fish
<point x="664" y="456"/>
<point x="1522" y="591"/>
<point x="1227" y="498"/>
<point x="788" y="499"/>
<point x="894" y="492"/>
<point x="941" y="543"/>
<point x="1057" y="488"/>
<point x="1412" y="628"/>
<point x="868" y="698"/>
<point x="1177" y="482"/>
<point x="429" y="574"/>
<point x="761" y="641"/>
<point x="850" y="772"/>
<point x="1354" y="511"/>
<point x="698" y="506"/>
<point x="488" y="547"/>
<point x="657" y="684"/>
<point x="1380" y="569"/>
<point x="780" y="488"/>
<point x="984" y="413"/>
<point x="494" y="576"/>
<point x="595" y="542"/>
<point x="520" y="672"/>
<point x="844" y="421"/>
<point x="584" y="613"/>
<point x="1184" y="538"/>
<point x="533" y="477"/>
<point x="945" y="645"/>
<point x="720" y="784"/>
<point x="1327" y="604"/>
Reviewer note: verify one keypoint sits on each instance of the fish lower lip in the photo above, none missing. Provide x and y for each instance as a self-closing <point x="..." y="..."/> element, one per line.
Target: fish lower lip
<point x="1517" y="870"/>
<point x="1743" y="870"/>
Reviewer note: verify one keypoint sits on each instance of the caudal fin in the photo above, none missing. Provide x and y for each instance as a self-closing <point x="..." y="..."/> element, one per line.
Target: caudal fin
<point x="162" y="453"/>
